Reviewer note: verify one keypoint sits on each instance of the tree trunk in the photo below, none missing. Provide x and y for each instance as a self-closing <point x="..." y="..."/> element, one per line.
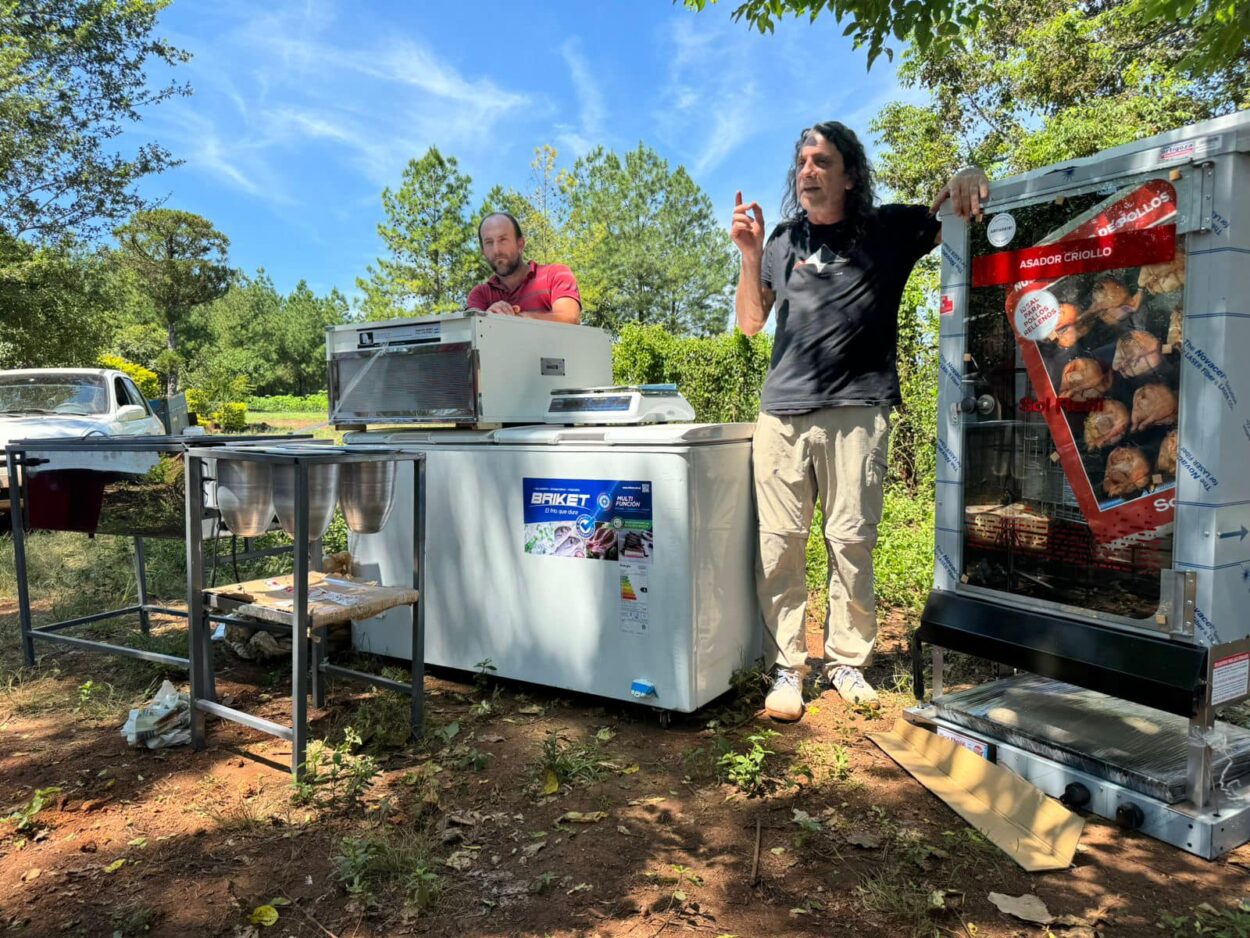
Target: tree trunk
<point x="171" y="342"/>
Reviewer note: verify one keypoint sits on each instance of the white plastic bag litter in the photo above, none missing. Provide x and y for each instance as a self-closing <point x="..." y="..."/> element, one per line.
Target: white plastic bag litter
<point x="165" y="720"/>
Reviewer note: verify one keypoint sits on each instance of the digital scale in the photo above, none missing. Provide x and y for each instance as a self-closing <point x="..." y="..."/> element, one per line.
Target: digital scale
<point x="627" y="404"/>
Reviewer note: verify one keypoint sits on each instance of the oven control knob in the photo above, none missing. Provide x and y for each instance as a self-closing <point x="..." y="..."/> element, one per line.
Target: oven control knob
<point x="1075" y="795"/>
<point x="1129" y="816"/>
<point x="986" y="405"/>
<point x="968" y="405"/>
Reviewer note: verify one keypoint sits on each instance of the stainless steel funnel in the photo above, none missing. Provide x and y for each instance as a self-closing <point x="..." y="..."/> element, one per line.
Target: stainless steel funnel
<point x="323" y="491"/>
<point x="367" y="494"/>
<point x="245" y="496"/>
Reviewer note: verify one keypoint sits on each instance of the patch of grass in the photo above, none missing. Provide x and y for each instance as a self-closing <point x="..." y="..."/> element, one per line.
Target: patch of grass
<point x="702" y="764"/>
<point x="383" y="718"/>
<point x="893" y="893"/>
<point x="391" y="867"/>
<point x="745" y="770"/>
<point x="335" y="775"/>
<point x="26" y="816"/>
<point x="1209" y="921"/>
<point x="569" y="763"/>
<point x="133" y="920"/>
<point x="821" y="762"/>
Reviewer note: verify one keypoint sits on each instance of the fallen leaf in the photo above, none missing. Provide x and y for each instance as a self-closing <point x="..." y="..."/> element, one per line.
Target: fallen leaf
<point x="622" y="829"/>
<point x="1027" y="908"/>
<point x="580" y="887"/>
<point x="278" y="901"/>
<point x="638" y="802"/>
<point x="460" y="861"/>
<point x="630" y="769"/>
<point x="605" y="735"/>
<point x="865" y="839"/>
<point x="577" y="817"/>
<point x="679" y="895"/>
<point x="492" y="738"/>
<point x="462" y="820"/>
<point x="777" y="851"/>
<point x="533" y="710"/>
<point x="551" y="784"/>
<point x="115" y="865"/>
<point x="531" y="850"/>
<point x="138" y="842"/>
<point x="265" y="915"/>
<point x="31" y="874"/>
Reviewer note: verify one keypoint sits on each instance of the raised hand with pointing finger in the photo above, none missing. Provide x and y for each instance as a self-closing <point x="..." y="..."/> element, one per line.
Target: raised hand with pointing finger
<point x="747" y="229"/>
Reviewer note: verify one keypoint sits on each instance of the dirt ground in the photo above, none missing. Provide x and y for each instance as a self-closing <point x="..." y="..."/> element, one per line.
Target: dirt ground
<point x="455" y="835"/>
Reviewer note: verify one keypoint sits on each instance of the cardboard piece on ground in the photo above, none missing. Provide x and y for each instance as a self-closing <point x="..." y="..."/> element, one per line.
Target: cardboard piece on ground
<point x="331" y="599"/>
<point x="1034" y="830"/>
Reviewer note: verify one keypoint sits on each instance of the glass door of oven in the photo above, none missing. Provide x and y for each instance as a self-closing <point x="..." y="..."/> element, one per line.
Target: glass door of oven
<point x="1074" y="342"/>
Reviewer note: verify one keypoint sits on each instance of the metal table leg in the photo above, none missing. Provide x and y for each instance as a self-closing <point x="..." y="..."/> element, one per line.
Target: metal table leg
<point x="416" y="681"/>
<point x="197" y="625"/>
<point x="141" y="579"/>
<point x="299" y="634"/>
<point x="17" y="524"/>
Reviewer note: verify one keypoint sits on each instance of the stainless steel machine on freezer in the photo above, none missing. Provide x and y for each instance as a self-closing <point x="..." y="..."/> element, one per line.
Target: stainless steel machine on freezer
<point x="465" y="368"/>
<point x="616" y="561"/>
<point x="1093" y="497"/>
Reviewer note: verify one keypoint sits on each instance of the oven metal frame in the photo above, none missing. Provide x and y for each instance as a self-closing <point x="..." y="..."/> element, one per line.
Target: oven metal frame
<point x="1167" y="662"/>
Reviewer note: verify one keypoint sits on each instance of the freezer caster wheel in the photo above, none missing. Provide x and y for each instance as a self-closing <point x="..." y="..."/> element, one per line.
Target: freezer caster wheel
<point x="666" y="718"/>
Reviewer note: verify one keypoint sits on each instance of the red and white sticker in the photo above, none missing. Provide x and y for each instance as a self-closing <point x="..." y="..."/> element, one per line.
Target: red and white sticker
<point x="982" y="749"/>
<point x="947" y="307"/>
<point x="1037" y="315"/>
<point x="1230" y="678"/>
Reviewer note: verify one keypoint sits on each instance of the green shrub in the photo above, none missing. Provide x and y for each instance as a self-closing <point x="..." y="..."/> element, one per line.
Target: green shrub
<point x="290" y="404"/>
<point x="148" y="382"/>
<point x="721" y="375"/>
<point x="232" y="418"/>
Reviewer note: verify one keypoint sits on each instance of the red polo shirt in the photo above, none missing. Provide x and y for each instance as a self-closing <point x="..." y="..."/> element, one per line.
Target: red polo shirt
<point x="542" y="286"/>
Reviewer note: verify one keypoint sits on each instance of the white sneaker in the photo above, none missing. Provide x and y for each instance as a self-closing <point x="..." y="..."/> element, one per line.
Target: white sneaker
<point x="785" y="700"/>
<point x="851" y="684"/>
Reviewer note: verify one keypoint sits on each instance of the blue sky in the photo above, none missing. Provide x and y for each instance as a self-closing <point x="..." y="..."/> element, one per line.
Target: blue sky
<point x="303" y="111"/>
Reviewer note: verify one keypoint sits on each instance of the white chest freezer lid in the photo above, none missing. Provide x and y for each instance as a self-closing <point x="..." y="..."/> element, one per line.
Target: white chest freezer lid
<point x="663" y="434"/>
<point x="450" y="435"/>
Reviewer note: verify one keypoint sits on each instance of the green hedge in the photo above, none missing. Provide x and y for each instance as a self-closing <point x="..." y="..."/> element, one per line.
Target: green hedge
<point x="720" y="375"/>
<point x="145" y="379"/>
<point x="290" y="404"/>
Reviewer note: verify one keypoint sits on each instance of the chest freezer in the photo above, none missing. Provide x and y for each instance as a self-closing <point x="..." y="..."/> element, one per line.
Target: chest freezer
<point x="616" y="561"/>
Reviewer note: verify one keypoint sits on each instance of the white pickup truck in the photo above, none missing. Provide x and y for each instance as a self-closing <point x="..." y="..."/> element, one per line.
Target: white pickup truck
<point x="65" y="403"/>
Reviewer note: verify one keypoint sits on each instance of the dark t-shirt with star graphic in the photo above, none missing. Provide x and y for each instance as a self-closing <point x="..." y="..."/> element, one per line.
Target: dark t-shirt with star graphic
<point x="837" y="308"/>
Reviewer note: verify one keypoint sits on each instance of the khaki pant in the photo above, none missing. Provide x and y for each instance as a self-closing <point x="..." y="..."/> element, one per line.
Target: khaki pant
<point x="836" y="454"/>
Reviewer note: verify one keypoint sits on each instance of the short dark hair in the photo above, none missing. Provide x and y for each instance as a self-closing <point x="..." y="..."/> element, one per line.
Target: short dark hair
<point x="859" y="200"/>
<point x="516" y="225"/>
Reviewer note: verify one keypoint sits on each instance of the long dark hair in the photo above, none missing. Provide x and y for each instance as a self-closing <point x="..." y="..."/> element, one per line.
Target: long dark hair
<point x="859" y="200"/>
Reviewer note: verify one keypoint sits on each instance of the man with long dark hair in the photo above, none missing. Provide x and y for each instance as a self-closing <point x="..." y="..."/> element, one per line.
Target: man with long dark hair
<point x="834" y="270"/>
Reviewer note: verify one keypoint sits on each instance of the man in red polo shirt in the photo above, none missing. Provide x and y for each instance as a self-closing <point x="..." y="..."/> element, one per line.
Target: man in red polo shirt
<point x="520" y="287"/>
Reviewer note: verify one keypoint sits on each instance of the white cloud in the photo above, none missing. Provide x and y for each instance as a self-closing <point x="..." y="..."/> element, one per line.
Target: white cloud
<point x="589" y="130"/>
<point x="711" y="103"/>
<point x="279" y="80"/>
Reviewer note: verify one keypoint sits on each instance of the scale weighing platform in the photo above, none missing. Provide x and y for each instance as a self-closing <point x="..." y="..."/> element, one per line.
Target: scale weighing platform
<point x="626" y="404"/>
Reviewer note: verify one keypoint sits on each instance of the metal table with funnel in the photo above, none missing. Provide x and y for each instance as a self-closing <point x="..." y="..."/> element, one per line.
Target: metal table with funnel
<point x="129" y="486"/>
<point x="302" y="484"/>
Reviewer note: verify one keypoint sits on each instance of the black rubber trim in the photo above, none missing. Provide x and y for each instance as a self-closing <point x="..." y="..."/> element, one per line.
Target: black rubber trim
<point x="1146" y="669"/>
